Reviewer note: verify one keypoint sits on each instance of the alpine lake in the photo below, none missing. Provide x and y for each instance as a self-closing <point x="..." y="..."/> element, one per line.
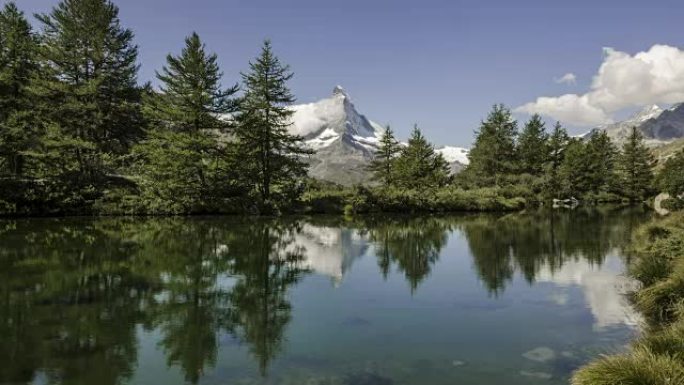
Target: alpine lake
<point x="500" y="299"/>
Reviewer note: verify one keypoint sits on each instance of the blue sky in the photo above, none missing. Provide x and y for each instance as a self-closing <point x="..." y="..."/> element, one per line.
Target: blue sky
<point x="441" y="64"/>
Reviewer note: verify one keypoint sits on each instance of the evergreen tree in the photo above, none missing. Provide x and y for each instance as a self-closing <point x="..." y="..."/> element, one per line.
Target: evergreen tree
<point x="273" y="158"/>
<point x="88" y="89"/>
<point x="185" y="167"/>
<point x="602" y="157"/>
<point x="191" y="96"/>
<point x="419" y="165"/>
<point x="533" y="148"/>
<point x="636" y="167"/>
<point x="383" y="163"/>
<point x="493" y="155"/>
<point x="671" y="176"/>
<point x="17" y="65"/>
<point x="557" y="143"/>
<point x="575" y="170"/>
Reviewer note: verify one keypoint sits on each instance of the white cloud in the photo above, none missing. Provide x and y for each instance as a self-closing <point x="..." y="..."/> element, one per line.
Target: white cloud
<point x="622" y="81"/>
<point x="569" y="79"/>
<point x="569" y="108"/>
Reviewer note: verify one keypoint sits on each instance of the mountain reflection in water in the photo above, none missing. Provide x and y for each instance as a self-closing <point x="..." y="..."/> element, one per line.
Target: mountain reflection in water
<point x="77" y="295"/>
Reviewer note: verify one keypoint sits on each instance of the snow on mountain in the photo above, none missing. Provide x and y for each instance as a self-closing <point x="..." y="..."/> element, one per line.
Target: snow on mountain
<point x="667" y="126"/>
<point x="658" y="126"/>
<point x="457" y="157"/>
<point x="455" y="154"/>
<point x="345" y="140"/>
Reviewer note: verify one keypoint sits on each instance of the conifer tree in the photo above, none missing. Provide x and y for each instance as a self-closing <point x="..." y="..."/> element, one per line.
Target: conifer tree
<point x="273" y="158"/>
<point x="17" y="65"/>
<point x="635" y="164"/>
<point x="383" y="164"/>
<point x="557" y="143"/>
<point x="88" y="89"/>
<point x="533" y="149"/>
<point x="182" y="162"/>
<point x="419" y="165"/>
<point x="602" y="157"/>
<point x="671" y="176"/>
<point x="575" y="170"/>
<point x="191" y="95"/>
<point x="494" y="155"/>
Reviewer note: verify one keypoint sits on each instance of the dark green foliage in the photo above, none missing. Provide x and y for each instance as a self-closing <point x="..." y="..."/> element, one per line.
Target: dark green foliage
<point x="383" y="164"/>
<point x="494" y="154"/>
<point x="636" y="167"/>
<point x="588" y="170"/>
<point x="601" y="157"/>
<point x="533" y="147"/>
<point x="671" y="177"/>
<point x="18" y="64"/>
<point x="191" y="97"/>
<point x="89" y="101"/>
<point x="272" y="159"/>
<point x="557" y="144"/>
<point x="575" y="169"/>
<point x="186" y="172"/>
<point x="419" y="165"/>
<point x="394" y="199"/>
<point x="183" y="166"/>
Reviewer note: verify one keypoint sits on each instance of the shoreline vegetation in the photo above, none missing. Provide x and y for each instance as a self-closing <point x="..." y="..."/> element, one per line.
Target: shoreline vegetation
<point x="80" y="135"/>
<point x="657" y="356"/>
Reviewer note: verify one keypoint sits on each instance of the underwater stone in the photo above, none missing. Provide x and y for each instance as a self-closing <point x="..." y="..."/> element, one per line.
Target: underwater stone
<point x="540" y="354"/>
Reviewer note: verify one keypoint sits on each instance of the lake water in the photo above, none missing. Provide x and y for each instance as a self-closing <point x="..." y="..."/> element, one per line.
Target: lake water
<point x="469" y="299"/>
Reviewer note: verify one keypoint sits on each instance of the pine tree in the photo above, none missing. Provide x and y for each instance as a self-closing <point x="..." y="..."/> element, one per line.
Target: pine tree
<point x="575" y="170"/>
<point x="17" y="65"/>
<point x="184" y="166"/>
<point x="636" y="167"/>
<point x="383" y="164"/>
<point x="602" y="157"/>
<point x="557" y="144"/>
<point x="533" y="149"/>
<point x="88" y="90"/>
<point x="493" y="155"/>
<point x="419" y="165"/>
<point x="671" y="176"/>
<point x="191" y="95"/>
<point x="273" y="158"/>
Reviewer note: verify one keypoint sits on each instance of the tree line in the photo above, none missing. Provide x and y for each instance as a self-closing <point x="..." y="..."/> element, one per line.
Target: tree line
<point x="532" y="162"/>
<point x="78" y="132"/>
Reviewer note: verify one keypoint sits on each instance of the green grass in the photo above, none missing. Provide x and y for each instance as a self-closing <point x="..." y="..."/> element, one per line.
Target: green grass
<point x="657" y="358"/>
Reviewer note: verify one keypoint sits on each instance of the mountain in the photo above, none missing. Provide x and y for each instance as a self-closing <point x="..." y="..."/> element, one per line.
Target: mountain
<point x="457" y="157"/>
<point x="345" y="140"/>
<point x="658" y="126"/>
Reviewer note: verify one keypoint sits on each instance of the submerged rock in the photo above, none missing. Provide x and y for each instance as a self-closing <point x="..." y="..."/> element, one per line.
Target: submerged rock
<point x="457" y="363"/>
<point x="540" y="354"/>
<point x="539" y="375"/>
<point x="367" y="379"/>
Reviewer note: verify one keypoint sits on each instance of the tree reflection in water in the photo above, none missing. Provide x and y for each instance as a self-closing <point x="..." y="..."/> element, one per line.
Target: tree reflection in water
<point x="74" y="291"/>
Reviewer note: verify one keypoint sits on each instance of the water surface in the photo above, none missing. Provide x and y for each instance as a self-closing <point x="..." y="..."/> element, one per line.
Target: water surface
<point x="470" y="299"/>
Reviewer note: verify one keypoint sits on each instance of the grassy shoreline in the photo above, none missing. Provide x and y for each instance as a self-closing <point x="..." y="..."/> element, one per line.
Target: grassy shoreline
<point x="657" y="357"/>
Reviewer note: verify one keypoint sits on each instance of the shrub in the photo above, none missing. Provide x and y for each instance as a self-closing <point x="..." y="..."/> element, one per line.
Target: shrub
<point x="639" y="367"/>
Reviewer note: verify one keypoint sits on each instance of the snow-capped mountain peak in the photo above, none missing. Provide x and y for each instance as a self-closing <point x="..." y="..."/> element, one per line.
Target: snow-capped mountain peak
<point x="455" y="154"/>
<point x="649" y="112"/>
<point x="339" y="91"/>
<point x="657" y="125"/>
<point x="344" y="140"/>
